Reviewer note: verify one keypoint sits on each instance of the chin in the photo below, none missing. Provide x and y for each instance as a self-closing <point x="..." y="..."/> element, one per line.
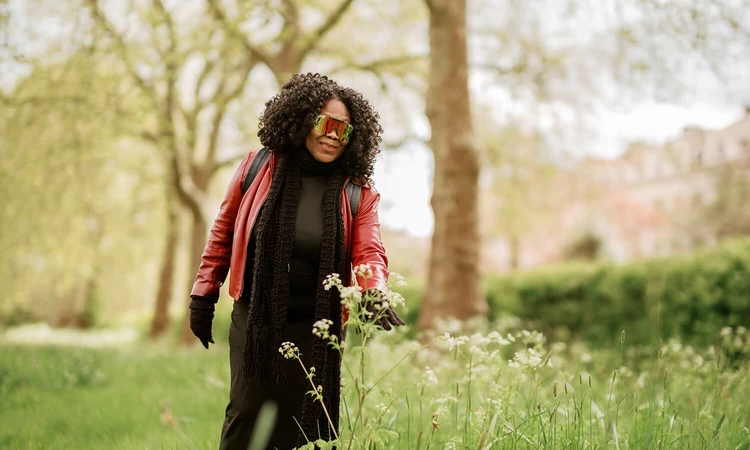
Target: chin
<point x="324" y="158"/>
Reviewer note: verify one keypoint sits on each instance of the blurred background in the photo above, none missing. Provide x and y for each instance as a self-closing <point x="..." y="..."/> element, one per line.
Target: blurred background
<point x="581" y="165"/>
<point x="609" y="131"/>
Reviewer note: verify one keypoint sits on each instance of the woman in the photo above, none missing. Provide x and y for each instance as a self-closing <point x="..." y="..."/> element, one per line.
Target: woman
<point x="291" y="228"/>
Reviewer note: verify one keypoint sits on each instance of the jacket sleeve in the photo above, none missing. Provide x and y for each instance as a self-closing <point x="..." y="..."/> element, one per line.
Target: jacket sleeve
<point x="367" y="247"/>
<point x="217" y="255"/>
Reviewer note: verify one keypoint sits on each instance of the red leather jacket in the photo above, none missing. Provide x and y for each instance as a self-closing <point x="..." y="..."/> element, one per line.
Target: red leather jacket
<point x="227" y="242"/>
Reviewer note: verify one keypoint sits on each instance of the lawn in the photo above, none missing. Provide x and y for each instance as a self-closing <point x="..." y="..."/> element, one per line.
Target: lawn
<point x="497" y="389"/>
<point x="61" y="398"/>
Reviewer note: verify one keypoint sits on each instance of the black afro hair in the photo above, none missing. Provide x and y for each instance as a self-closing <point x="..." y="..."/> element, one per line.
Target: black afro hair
<point x="289" y="115"/>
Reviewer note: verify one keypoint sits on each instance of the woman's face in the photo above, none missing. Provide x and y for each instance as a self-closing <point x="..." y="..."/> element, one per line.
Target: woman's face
<point x="328" y="147"/>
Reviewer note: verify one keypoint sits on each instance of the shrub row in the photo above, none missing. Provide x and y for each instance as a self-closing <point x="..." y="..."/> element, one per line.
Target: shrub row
<point x="690" y="297"/>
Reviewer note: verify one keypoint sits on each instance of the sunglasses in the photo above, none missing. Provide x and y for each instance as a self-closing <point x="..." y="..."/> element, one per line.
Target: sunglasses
<point x="325" y="124"/>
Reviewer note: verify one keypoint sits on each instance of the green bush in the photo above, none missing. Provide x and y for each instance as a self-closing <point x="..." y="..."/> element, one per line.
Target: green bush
<point x="689" y="297"/>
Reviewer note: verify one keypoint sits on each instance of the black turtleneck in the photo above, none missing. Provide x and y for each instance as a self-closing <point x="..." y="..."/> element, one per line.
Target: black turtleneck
<point x="305" y="260"/>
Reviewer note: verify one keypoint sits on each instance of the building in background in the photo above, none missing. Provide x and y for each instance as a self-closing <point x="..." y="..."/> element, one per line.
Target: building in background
<point x="653" y="200"/>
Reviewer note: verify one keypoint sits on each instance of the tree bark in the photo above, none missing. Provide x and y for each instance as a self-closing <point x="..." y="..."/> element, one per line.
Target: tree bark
<point x="453" y="268"/>
<point x="164" y="291"/>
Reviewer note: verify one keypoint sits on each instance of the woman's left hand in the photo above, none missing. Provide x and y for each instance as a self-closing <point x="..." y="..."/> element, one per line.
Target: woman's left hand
<point x="389" y="318"/>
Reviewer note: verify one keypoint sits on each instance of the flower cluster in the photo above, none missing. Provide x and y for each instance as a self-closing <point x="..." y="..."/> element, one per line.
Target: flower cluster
<point x="322" y="327"/>
<point x="363" y="270"/>
<point x="396" y="280"/>
<point x="331" y="281"/>
<point x="429" y="376"/>
<point x="289" y="350"/>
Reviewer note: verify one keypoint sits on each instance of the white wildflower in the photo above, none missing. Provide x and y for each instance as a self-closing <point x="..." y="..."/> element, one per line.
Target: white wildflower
<point x="447" y="342"/>
<point x="528" y="358"/>
<point x="497" y="338"/>
<point x="429" y="376"/>
<point x="351" y="292"/>
<point x="395" y="299"/>
<point x="321" y="328"/>
<point x="443" y="403"/>
<point x="396" y="279"/>
<point x="453" y="443"/>
<point x="289" y="350"/>
<point x="363" y="270"/>
<point x="333" y="280"/>
<point x="478" y="352"/>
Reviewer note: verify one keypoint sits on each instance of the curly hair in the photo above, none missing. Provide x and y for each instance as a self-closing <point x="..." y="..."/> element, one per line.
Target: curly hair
<point x="288" y="117"/>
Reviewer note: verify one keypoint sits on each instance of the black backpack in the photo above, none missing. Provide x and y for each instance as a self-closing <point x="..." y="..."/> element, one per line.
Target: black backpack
<point x="353" y="191"/>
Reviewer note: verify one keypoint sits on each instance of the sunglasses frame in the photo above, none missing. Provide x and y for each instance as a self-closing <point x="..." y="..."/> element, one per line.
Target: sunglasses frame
<point x="344" y="136"/>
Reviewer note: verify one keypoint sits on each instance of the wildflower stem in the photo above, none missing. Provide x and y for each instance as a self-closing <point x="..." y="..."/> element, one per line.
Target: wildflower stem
<point x="361" y="393"/>
<point x="320" y="398"/>
<point x="402" y="360"/>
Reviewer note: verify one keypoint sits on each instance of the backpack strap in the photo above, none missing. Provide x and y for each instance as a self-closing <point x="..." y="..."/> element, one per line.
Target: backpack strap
<point x="353" y="191"/>
<point x="259" y="161"/>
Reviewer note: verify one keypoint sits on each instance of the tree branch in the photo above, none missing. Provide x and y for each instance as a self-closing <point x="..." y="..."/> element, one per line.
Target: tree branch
<point x="103" y="22"/>
<point x="232" y="29"/>
<point x="221" y="105"/>
<point x="231" y="161"/>
<point x="375" y="65"/>
<point x="311" y="41"/>
<point x="392" y="145"/>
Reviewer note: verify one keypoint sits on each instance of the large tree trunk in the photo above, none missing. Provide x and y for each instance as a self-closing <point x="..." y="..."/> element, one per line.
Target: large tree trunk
<point x="198" y="233"/>
<point x="164" y="291"/>
<point x="453" y="280"/>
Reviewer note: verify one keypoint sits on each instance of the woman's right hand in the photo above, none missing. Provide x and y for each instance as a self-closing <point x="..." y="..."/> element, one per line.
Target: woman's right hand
<point x="201" y="318"/>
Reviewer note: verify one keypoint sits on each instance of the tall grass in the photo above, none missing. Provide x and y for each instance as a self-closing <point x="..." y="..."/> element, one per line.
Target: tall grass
<point x="473" y="386"/>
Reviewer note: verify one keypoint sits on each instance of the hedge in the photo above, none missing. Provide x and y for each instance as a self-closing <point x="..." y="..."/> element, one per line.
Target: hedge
<point x="690" y="297"/>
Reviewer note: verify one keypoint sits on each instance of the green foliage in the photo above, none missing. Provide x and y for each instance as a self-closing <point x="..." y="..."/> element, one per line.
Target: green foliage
<point x="115" y="399"/>
<point x="502" y="388"/>
<point x="689" y="297"/>
<point x="80" y="222"/>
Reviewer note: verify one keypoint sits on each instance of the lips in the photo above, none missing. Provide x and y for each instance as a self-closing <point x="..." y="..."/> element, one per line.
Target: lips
<point x="328" y="147"/>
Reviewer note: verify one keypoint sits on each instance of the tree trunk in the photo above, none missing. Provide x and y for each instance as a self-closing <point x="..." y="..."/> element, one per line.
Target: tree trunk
<point x="453" y="278"/>
<point x="164" y="291"/>
<point x="197" y="245"/>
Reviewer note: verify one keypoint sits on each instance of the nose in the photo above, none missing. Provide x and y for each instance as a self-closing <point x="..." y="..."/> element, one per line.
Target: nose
<point x="334" y="133"/>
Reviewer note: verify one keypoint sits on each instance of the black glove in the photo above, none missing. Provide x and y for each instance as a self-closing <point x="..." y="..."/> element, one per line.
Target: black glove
<point x="201" y="317"/>
<point x="389" y="318"/>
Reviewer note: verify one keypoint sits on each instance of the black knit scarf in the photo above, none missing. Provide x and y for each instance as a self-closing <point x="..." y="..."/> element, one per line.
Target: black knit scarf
<point x="270" y="288"/>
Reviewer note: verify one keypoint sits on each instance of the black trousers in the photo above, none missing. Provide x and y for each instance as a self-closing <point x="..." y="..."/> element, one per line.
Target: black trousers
<point x="245" y="400"/>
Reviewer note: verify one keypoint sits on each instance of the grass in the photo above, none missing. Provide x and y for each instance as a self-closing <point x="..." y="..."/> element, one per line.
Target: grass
<point x="68" y="398"/>
<point x="508" y="390"/>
